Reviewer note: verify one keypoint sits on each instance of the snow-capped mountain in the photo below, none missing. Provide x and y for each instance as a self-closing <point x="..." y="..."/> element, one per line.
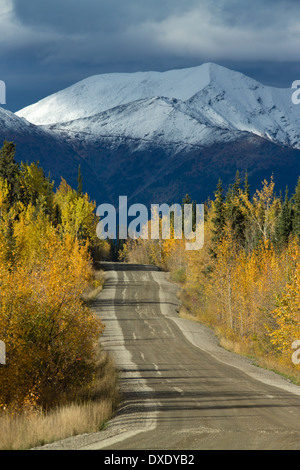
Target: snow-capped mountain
<point x="9" y="121"/>
<point x="102" y="92"/>
<point x="197" y="106"/>
<point x="160" y="120"/>
<point x="155" y="136"/>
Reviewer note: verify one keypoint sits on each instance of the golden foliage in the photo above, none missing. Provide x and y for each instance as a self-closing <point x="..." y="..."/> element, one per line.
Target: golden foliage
<point x="50" y="335"/>
<point x="249" y="292"/>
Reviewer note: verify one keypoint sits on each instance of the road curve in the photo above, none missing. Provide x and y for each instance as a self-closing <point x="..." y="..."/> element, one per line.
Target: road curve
<point x="181" y="391"/>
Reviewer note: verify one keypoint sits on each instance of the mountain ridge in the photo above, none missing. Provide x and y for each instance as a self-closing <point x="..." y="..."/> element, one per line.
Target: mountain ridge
<point x="161" y="133"/>
<point x="210" y="94"/>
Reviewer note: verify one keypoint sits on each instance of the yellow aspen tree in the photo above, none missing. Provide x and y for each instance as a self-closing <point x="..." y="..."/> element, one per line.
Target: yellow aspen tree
<point x="262" y="210"/>
<point x="222" y="280"/>
<point x="51" y="336"/>
<point x="287" y="311"/>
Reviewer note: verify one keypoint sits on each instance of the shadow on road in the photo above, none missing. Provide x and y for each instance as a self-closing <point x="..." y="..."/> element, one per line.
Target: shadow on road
<point x="112" y="266"/>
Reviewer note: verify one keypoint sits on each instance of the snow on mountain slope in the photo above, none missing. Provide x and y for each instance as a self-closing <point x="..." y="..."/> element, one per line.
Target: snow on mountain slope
<point x="9" y="121"/>
<point x="246" y="105"/>
<point x="36" y="143"/>
<point x="196" y="105"/>
<point x="102" y="92"/>
<point x="161" y="120"/>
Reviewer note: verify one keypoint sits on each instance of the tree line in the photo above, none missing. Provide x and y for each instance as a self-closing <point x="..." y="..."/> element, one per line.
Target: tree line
<point x="245" y="281"/>
<point x="47" y="245"/>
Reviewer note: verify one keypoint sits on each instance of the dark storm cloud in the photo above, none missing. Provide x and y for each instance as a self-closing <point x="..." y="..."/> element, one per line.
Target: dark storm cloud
<point x="92" y="15"/>
<point x="96" y="31"/>
<point x="47" y="45"/>
<point x="219" y="29"/>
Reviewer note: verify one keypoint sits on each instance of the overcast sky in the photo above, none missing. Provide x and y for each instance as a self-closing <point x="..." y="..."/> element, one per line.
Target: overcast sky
<point x="46" y="45"/>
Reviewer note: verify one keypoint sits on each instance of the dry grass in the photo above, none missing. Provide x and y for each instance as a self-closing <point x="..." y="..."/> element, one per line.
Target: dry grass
<point x="237" y="347"/>
<point x="88" y="414"/>
<point x="95" y="286"/>
<point x="260" y="358"/>
<point x="265" y="360"/>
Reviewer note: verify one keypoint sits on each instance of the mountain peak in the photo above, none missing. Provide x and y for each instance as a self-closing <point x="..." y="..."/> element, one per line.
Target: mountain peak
<point x="206" y="96"/>
<point x="102" y="92"/>
<point x="160" y="133"/>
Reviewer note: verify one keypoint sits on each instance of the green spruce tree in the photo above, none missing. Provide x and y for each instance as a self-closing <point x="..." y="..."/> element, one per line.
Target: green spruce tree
<point x="234" y="214"/>
<point x="296" y="211"/>
<point x="79" y="182"/>
<point x="219" y="220"/>
<point x="247" y="186"/>
<point x="284" y="223"/>
<point x="9" y="170"/>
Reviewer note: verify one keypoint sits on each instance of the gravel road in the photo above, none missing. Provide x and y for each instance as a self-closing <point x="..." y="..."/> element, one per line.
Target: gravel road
<point x="180" y="389"/>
